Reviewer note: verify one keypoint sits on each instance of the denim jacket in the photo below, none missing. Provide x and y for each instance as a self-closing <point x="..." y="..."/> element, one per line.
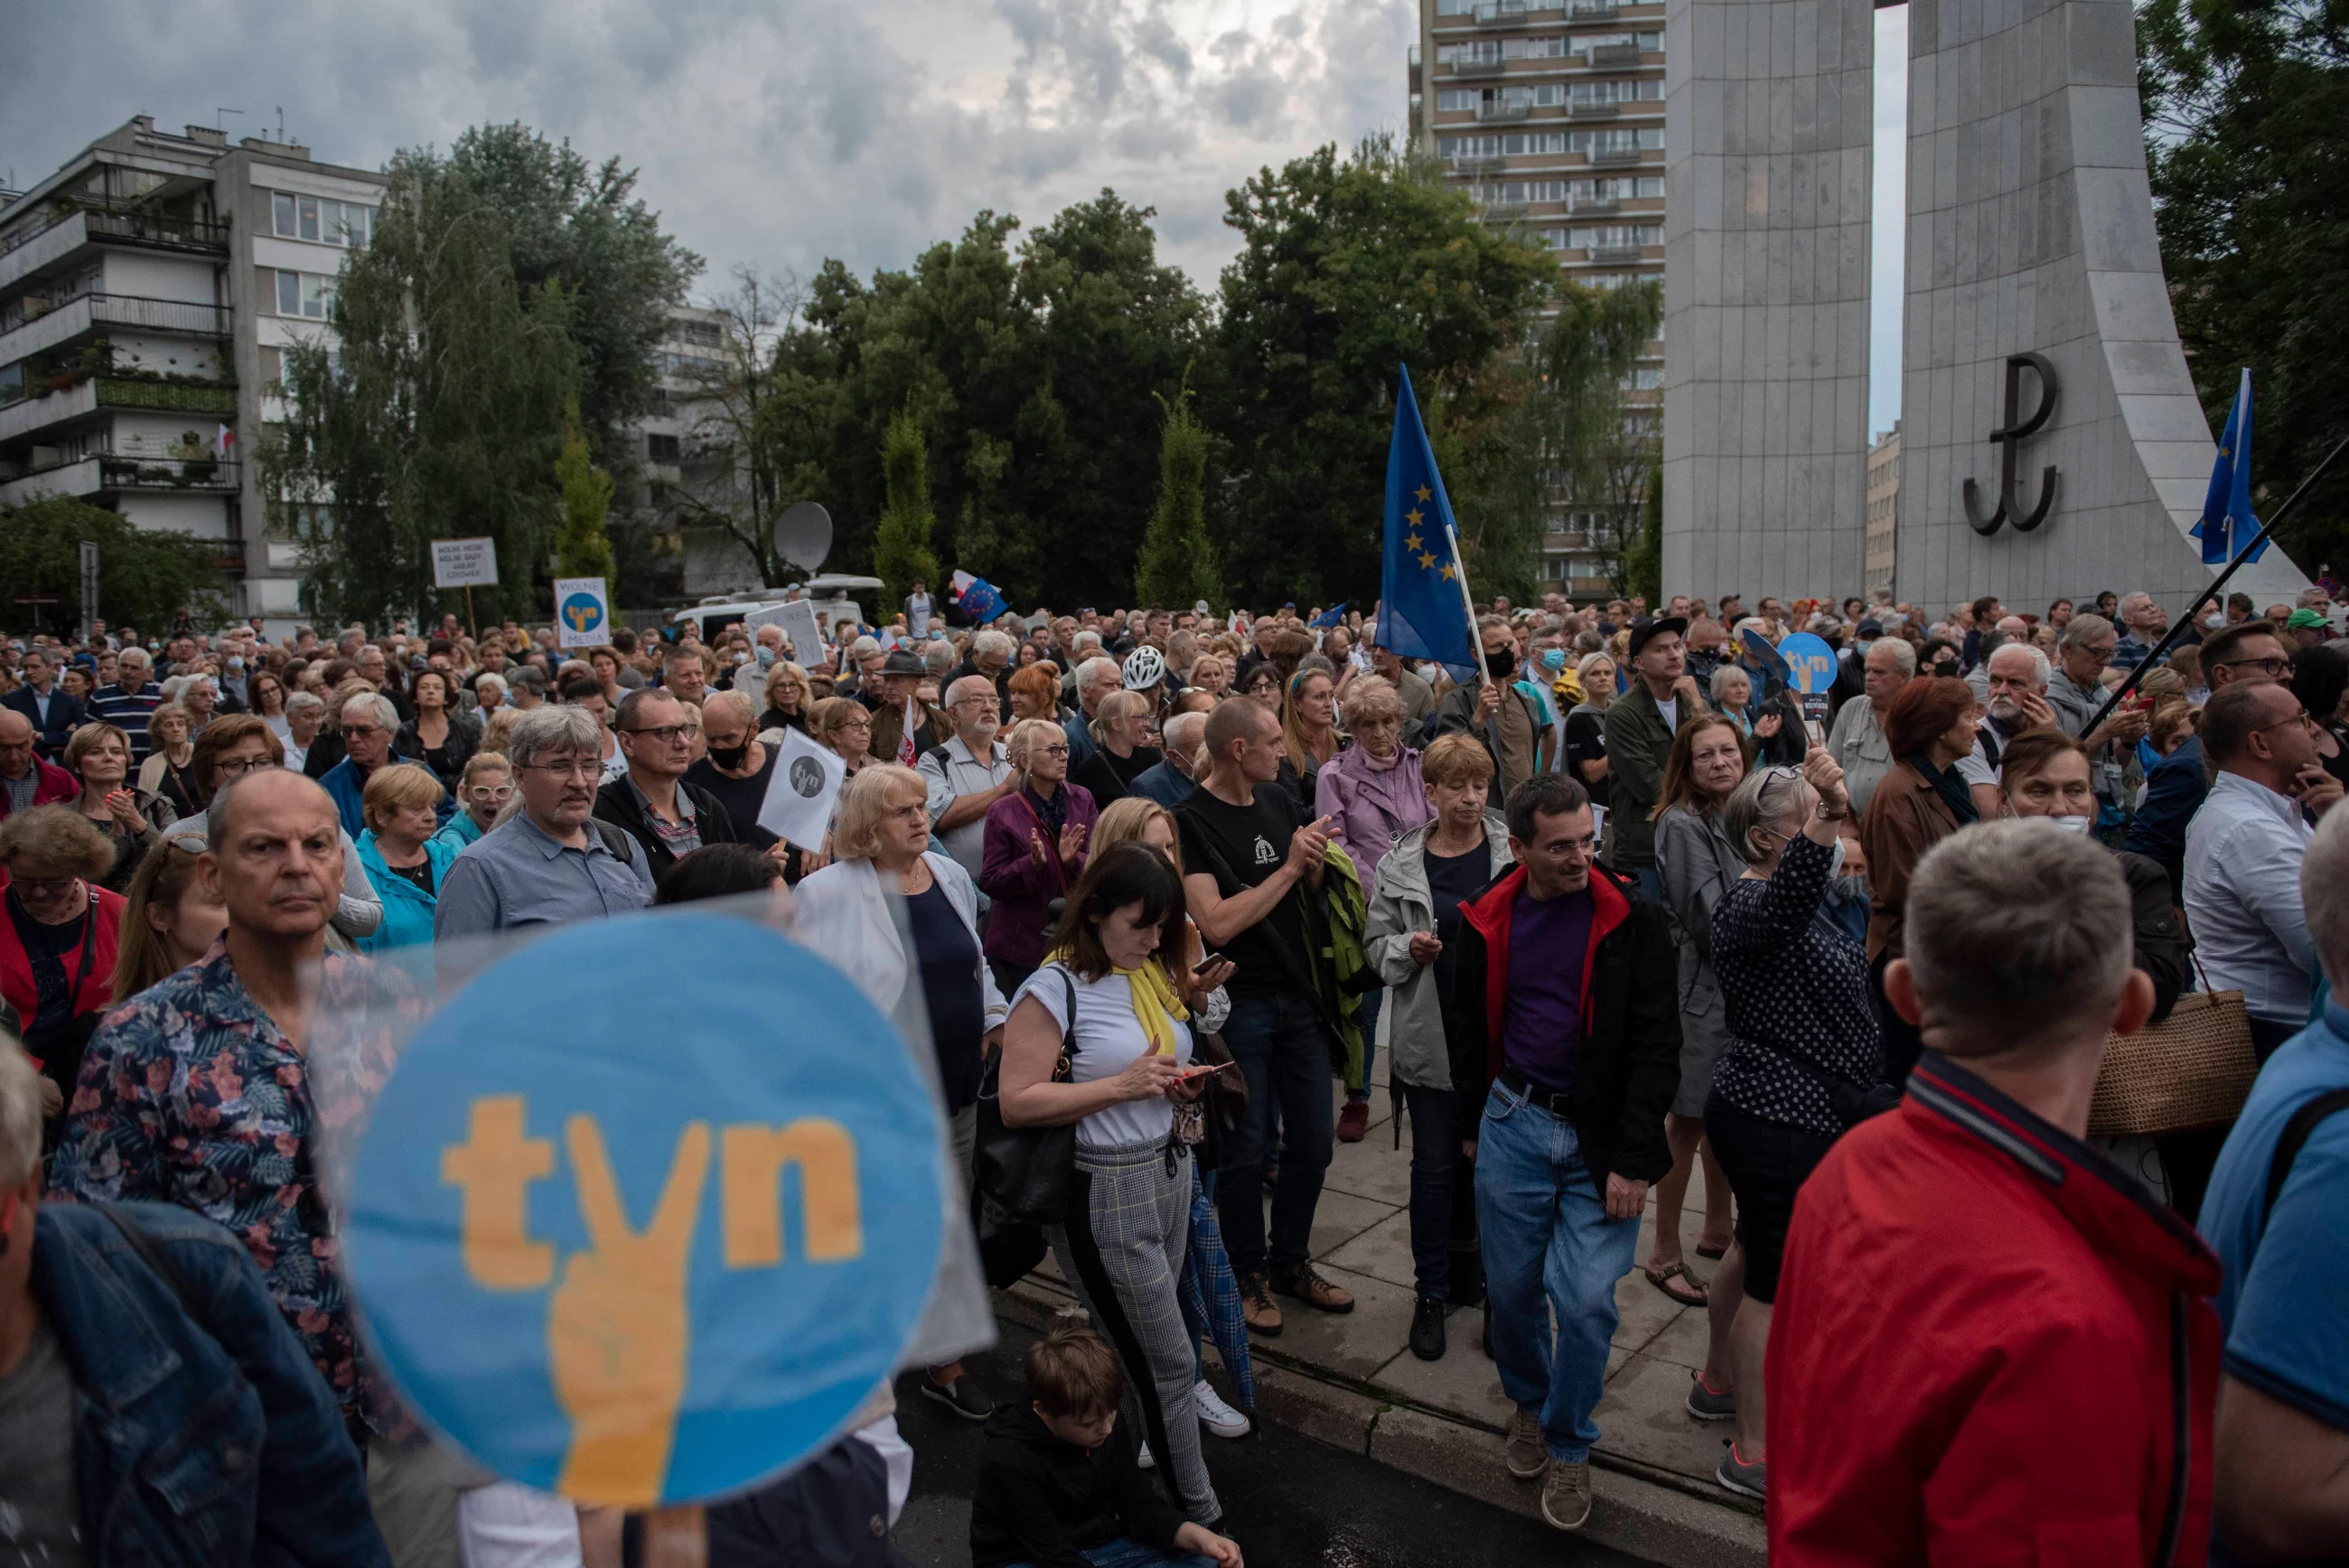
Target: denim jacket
<point x="207" y="1444"/>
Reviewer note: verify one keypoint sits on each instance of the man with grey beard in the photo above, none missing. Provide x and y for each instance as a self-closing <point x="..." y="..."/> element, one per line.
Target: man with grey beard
<point x="2017" y="701"/>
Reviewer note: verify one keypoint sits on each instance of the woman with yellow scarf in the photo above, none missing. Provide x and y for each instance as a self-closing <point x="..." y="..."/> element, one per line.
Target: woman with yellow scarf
<point x="1124" y="1016"/>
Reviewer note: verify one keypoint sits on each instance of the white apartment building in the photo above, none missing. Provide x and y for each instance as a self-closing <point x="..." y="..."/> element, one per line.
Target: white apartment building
<point x="1550" y="113"/>
<point x="148" y="289"/>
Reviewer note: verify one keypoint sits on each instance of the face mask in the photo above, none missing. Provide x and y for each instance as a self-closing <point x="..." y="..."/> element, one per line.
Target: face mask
<point x="1554" y="658"/>
<point x="730" y="755"/>
<point x="1498" y="666"/>
<point x="236" y="667"/>
<point x="2073" y="824"/>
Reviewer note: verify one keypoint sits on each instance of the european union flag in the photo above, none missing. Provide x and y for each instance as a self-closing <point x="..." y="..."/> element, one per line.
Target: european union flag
<point x="1334" y="617"/>
<point x="1423" y="613"/>
<point x="980" y="600"/>
<point x="2227" y="524"/>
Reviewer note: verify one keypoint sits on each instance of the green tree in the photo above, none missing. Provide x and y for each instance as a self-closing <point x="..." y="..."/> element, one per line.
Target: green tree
<point x="1347" y="269"/>
<point x="440" y="412"/>
<point x="585" y="547"/>
<point x="1179" y="560"/>
<point x="145" y="576"/>
<point x="582" y="226"/>
<point x="901" y="546"/>
<point x="1602" y="445"/>
<point x="1642" y="574"/>
<point x="2244" y="104"/>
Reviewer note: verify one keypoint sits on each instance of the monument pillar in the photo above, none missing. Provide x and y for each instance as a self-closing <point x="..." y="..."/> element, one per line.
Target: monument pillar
<point x="2031" y="232"/>
<point x="1767" y="136"/>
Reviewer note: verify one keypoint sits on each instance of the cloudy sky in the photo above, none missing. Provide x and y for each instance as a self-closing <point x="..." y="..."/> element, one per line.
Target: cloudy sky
<point x="777" y="133"/>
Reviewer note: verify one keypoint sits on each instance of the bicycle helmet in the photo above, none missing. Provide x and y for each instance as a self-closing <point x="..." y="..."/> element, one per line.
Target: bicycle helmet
<point x="1145" y="668"/>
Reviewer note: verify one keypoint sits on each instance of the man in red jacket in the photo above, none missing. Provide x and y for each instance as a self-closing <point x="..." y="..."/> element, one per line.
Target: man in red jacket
<point x="1991" y="1344"/>
<point x="25" y="780"/>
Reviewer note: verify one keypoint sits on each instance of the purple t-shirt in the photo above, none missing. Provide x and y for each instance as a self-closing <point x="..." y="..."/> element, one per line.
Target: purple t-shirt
<point x="1541" y="1026"/>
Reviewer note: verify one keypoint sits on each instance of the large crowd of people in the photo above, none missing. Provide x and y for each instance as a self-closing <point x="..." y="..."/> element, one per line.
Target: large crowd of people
<point x="1896" y="983"/>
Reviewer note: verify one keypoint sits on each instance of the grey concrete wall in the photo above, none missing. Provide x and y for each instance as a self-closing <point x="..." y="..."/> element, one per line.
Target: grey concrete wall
<point x="2029" y="227"/>
<point x="1769" y="105"/>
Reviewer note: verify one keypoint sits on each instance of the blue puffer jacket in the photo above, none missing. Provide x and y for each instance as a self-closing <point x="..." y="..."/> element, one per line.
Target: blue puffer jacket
<point x="205" y="1443"/>
<point x="407" y="909"/>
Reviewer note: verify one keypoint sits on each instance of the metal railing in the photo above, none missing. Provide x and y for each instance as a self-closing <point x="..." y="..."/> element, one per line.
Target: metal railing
<point x="161" y="314"/>
<point x="1593" y="110"/>
<point x="1614" y="157"/>
<point x="1613" y="56"/>
<point x="1482" y="163"/>
<point x="1615" y="252"/>
<point x="129" y="227"/>
<point x="1502" y="13"/>
<point x="1503" y="113"/>
<point x="1594" y="204"/>
<point x="1477" y="68"/>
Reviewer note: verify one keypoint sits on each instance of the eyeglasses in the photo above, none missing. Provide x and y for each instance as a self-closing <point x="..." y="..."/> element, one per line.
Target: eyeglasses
<point x="666" y="734"/>
<point x="2303" y="719"/>
<point x="359" y="731"/>
<point x="238" y="766"/>
<point x="853" y="723"/>
<point x="44" y="887"/>
<point x="567" y="769"/>
<point x="490" y="794"/>
<point x="1568" y="849"/>
<point x="1047" y="751"/>
<point x="2276" y="668"/>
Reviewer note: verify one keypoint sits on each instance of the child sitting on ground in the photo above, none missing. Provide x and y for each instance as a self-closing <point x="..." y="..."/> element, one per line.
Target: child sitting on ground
<point x="1057" y="1482"/>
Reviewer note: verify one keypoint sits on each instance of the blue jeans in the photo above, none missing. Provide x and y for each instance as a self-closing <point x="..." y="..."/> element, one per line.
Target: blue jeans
<point x="1279" y="1045"/>
<point x="1125" y="1552"/>
<point x="1366" y="1019"/>
<point x="1548" y="1247"/>
<point x="1436" y="1194"/>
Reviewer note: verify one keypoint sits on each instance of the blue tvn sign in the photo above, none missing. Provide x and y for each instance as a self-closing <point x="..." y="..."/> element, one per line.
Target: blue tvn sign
<point x="647" y="1209"/>
<point x="582" y="613"/>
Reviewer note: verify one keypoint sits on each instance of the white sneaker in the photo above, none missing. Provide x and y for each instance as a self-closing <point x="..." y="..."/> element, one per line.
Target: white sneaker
<point x="1214" y="1415"/>
<point x="1142" y="1459"/>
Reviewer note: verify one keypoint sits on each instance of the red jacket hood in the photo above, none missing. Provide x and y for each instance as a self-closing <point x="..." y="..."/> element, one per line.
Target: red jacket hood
<point x="1489" y="914"/>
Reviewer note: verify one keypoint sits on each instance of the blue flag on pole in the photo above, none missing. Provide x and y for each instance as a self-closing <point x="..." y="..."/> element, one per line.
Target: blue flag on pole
<point x="1424" y="613"/>
<point x="2228" y="524"/>
<point x="1333" y="616"/>
<point x="980" y="601"/>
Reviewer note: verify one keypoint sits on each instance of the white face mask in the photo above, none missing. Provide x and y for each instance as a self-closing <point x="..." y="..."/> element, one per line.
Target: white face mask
<point x="2073" y="824"/>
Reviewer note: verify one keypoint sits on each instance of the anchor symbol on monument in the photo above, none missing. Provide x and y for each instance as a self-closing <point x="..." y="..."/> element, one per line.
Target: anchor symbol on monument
<point x="2010" y="437"/>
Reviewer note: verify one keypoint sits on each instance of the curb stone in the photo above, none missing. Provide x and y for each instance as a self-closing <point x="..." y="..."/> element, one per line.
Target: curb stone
<point x="1635" y="1514"/>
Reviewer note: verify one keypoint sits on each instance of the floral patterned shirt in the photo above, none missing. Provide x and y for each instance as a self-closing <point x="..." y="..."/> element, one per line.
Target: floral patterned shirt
<point x="191" y="1094"/>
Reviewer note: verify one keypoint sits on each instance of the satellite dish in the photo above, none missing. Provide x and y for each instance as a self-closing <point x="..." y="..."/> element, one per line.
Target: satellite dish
<point x="803" y="535"/>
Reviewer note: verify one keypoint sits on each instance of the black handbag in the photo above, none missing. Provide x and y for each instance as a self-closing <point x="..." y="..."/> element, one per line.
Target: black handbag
<point x="1022" y="1173"/>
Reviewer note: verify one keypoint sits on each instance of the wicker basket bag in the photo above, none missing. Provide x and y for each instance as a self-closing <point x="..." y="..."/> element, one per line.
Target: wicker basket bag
<point x="2194" y="1068"/>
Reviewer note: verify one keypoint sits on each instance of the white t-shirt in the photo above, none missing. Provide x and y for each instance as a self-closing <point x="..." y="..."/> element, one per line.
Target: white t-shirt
<point x="1671" y="708"/>
<point x="1108" y="1037"/>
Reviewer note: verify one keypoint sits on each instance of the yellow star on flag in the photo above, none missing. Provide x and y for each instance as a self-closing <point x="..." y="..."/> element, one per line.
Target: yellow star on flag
<point x="1429" y="561"/>
<point x="1413" y="516"/>
<point x="1447" y="573"/>
<point x="1425" y="493"/>
<point x="1411" y="542"/>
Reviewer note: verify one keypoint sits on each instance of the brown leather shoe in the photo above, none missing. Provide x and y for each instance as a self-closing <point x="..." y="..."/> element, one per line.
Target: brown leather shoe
<point x="1258" y="1307"/>
<point x="1311" y="1289"/>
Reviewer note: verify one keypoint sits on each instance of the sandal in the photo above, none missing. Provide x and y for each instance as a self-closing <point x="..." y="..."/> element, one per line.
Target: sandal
<point x="1694" y="1295"/>
<point x="1712" y="1255"/>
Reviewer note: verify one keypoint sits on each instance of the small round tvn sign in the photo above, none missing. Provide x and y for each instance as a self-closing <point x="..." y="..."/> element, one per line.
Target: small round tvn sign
<point x="647" y="1209"/>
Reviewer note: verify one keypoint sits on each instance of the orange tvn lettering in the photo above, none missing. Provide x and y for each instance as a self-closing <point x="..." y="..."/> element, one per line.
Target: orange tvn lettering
<point x="752" y="1162"/>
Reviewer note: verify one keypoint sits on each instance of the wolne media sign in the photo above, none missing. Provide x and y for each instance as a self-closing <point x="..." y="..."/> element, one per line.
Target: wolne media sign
<point x="464" y="563"/>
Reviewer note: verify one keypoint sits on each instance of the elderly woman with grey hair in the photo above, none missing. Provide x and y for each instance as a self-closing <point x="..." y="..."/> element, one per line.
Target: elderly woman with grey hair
<point x="306" y="714"/>
<point x="1804" y="1061"/>
<point x="369" y="724"/>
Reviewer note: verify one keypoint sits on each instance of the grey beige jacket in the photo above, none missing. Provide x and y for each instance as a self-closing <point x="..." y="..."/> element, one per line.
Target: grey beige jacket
<point x="1400" y="904"/>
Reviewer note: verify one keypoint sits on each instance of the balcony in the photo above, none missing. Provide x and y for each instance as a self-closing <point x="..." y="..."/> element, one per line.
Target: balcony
<point x="38" y="245"/>
<point x="1497" y="213"/>
<point x="1615" y="157"/>
<point x="1503" y="113"/>
<point x="63" y="323"/>
<point x="1477" y="68"/>
<point x="1593" y="110"/>
<point x="1613" y="56"/>
<point x="1503" y="14"/>
<point x="1488" y="164"/>
<point x="1616" y="252"/>
<point x="1594" y="204"/>
<point x="106" y="473"/>
<point x="1594" y="11"/>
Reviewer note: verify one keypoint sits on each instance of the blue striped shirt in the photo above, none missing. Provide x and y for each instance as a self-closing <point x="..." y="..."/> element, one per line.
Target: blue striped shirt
<point x="127" y="711"/>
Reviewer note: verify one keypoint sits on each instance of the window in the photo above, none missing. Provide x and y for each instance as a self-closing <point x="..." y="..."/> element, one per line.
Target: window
<point x="320" y="218"/>
<point x="1594" y="93"/>
<point x="1611" y="235"/>
<point x="661" y="448"/>
<point x="1619" y="139"/>
<point x="708" y="334"/>
<point x="1454" y="101"/>
<point x="304" y="294"/>
<point x="1647" y="42"/>
<point x="1644" y="380"/>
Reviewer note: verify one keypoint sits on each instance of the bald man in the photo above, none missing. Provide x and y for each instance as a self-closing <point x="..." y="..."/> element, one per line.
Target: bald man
<point x="27" y="780"/>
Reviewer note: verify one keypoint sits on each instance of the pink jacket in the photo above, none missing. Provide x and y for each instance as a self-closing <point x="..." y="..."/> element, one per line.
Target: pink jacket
<point x="1373" y="807"/>
<point x="54" y="784"/>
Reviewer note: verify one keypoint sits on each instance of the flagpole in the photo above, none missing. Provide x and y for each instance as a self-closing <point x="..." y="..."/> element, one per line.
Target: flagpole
<point x="1460" y="575"/>
<point x="2179" y="629"/>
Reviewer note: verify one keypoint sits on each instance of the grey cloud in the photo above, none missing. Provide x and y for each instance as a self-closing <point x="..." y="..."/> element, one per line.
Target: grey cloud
<point x="776" y="132"/>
